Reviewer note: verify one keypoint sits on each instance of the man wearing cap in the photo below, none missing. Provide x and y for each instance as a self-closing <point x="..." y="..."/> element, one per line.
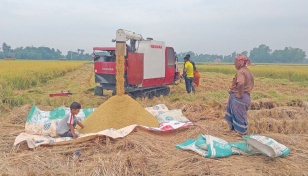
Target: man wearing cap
<point x="188" y="74"/>
<point x="239" y="98"/>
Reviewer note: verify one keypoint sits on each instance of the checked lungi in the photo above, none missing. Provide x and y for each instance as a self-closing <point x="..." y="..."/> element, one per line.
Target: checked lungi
<point x="236" y="112"/>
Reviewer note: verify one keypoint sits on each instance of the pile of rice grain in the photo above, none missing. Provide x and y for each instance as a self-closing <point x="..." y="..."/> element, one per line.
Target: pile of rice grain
<point x="117" y="112"/>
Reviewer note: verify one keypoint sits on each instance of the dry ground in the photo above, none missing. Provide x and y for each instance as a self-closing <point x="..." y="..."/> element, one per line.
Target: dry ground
<point x="145" y="153"/>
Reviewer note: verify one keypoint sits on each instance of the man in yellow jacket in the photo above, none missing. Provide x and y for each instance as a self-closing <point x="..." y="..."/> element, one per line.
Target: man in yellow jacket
<point x="188" y="74"/>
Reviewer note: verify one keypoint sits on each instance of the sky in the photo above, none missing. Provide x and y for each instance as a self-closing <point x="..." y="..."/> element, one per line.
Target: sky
<point x="201" y="26"/>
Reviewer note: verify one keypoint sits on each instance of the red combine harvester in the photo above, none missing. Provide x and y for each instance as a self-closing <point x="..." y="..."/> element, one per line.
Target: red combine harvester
<point x="150" y="66"/>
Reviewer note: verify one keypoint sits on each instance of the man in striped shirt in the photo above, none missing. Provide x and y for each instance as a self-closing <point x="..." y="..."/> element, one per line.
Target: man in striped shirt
<point x="66" y="127"/>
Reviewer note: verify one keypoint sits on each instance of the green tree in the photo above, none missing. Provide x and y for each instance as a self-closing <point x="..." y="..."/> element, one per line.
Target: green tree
<point x="229" y="58"/>
<point x="262" y="54"/>
<point x="288" y="55"/>
<point x="7" y="51"/>
<point x="44" y="53"/>
<point x="245" y="53"/>
<point x="2" y="55"/>
<point x="79" y="55"/>
<point x="6" y="48"/>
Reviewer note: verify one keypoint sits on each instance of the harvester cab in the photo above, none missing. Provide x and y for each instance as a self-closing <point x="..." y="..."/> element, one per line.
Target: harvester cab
<point x="149" y="67"/>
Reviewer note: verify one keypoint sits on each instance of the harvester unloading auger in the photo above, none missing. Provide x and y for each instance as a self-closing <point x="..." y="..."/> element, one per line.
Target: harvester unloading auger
<point x="144" y="68"/>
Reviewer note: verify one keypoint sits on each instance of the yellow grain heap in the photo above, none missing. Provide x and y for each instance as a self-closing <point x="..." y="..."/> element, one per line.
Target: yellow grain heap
<point x="118" y="112"/>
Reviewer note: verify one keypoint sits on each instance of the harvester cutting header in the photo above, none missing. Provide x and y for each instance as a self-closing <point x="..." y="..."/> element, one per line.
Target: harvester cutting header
<point x="149" y="66"/>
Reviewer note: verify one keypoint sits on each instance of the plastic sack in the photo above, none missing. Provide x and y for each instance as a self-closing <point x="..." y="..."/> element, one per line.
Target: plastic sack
<point x="207" y="146"/>
<point x="216" y="147"/>
<point x="267" y="146"/>
<point x="190" y="144"/>
<point x="242" y="148"/>
<point x="172" y="115"/>
<point x="157" y="109"/>
<point x="45" y="122"/>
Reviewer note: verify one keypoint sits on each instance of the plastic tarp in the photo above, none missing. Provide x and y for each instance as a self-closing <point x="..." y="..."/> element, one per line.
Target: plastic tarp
<point x="41" y="125"/>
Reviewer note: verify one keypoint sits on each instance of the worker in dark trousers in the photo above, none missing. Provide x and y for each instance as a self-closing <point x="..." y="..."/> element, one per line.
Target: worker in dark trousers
<point x="188" y="74"/>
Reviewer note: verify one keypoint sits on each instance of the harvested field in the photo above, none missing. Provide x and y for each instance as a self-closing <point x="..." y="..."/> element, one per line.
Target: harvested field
<point x="278" y="111"/>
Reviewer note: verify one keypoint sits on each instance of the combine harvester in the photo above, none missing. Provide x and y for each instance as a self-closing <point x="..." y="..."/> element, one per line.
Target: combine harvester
<point x="149" y="66"/>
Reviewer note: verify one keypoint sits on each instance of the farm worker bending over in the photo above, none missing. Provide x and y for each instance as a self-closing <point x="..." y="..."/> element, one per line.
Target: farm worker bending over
<point x="66" y="127"/>
<point x="188" y="74"/>
<point x="239" y="99"/>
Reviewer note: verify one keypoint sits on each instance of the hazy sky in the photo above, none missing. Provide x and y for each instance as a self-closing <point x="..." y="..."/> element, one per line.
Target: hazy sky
<point x="201" y="26"/>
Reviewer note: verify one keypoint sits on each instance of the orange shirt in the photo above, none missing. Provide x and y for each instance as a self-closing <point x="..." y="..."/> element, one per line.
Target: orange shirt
<point x="244" y="76"/>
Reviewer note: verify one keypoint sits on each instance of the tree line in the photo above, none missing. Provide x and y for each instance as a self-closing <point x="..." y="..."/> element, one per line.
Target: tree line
<point x="41" y="53"/>
<point x="261" y="54"/>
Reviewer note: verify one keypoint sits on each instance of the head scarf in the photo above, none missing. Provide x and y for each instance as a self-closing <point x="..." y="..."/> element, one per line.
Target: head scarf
<point x="242" y="57"/>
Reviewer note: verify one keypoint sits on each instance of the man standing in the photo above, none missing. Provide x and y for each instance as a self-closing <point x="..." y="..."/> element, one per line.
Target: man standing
<point x="188" y="74"/>
<point x="239" y="98"/>
<point x="192" y="62"/>
<point x="196" y="73"/>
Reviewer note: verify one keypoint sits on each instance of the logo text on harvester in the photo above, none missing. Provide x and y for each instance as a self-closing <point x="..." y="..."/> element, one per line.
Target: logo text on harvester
<point x="156" y="46"/>
<point x="106" y="68"/>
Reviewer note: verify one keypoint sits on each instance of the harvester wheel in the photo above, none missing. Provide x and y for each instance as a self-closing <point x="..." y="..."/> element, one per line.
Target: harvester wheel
<point x="135" y="95"/>
<point x="166" y="91"/>
<point x="157" y="93"/>
<point x="98" y="91"/>
<point x="151" y="95"/>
